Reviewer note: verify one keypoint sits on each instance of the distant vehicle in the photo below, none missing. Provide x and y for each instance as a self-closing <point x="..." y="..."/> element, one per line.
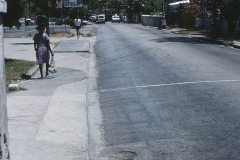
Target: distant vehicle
<point x="84" y="22"/>
<point x="52" y="21"/>
<point x="22" y="21"/>
<point x="92" y="18"/>
<point x="16" y="24"/>
<point x="25" y="21"/>
<point x="28" y="22"/>
<point x="100" y="18"/>
<point x="34" y="19"/>
<point x="116" y="18"/>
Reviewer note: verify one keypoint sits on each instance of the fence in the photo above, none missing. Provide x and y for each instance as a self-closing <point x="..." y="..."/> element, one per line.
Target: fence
<point x="237" y="26"/>
<point x="198" y="23"/>
<point x="149" y="20"/>
<point x="208" y="22"/>
<point x="30" y="30"/>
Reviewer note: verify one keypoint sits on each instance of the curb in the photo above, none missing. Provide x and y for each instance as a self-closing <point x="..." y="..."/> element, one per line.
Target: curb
<point x="236" y="46"/>
<point x="213" y="41"/>
<point x="33" y="70"/>
<point x="220" y="42"/>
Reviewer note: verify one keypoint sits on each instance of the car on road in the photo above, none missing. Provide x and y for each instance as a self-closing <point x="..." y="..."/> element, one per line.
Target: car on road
<point x="92" y="18"/>
<point x="100" y="18"/>
<point x="116" y="18"/>
<point x="84" y="22"/>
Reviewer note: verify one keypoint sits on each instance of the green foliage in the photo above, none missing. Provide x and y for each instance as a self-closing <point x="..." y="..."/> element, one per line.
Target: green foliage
<point x="69" y="21"/>
<point x="230" y="12"/>
<point x="123" y="11"/>
<point x="15" y="10"/>
<point x="73" y="12"/>
<point x="188" y="12"/>
<point x="58" y="22"/>
<point x="152" y="6"/>
<point x="66" y="20"/>
<point x="14" y="68"/>
<point x="46" y="6"/>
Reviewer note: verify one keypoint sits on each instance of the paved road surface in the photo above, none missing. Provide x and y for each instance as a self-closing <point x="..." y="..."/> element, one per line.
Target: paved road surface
<point x="165" y="96"/>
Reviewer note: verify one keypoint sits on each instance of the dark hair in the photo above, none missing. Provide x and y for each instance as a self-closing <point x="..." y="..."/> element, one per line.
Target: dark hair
<point x="41" y="21"/>
<point x="40" y="28"/>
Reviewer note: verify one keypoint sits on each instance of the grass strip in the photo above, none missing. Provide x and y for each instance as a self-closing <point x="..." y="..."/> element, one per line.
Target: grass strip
<point x="14" y="68"/>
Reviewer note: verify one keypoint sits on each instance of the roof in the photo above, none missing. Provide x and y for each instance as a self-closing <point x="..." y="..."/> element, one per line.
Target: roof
<point x="179" y="2"/>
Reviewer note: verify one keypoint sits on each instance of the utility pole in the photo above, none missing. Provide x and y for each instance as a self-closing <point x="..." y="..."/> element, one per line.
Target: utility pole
<point x="29" y="9"/>
<point x="47" y="16"/>
<point x="4" y="138"/>
<point x="203" y="15"/>
<point x="214" y="15"/>
<point x="61" y="12"/>
<point x="140" y="11"/>
<point x="163" y="6"/>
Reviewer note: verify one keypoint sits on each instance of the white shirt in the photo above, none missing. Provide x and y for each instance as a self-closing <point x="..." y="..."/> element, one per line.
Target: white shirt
<point x="77" y="22"/>
<point x="164" y="23"/>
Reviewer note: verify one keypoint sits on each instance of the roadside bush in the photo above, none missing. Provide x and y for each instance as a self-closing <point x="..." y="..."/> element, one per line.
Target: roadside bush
<point x="69" y="21"/>
<point x="73" y="12"/>
<point x="187" y="14"/>
<point x="58" y="22"/>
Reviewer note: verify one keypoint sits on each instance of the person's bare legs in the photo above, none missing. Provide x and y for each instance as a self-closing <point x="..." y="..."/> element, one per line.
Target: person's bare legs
<point x="41" y="70"/>
<point x="47" y="66"/>
<point x="78" y="33"/>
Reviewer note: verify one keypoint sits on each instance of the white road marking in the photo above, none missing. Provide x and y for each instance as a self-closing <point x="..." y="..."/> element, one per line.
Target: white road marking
<point x="169" y="84"/>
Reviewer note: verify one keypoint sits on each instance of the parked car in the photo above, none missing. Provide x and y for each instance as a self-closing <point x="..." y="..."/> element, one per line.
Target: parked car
<point x="51" y="21"/>
<point x="116" y="18"/>
<point x="16" y="24"/>
<point x="84" y="22"/>
<point x="100" y="18"/>
<point x="22" y="21"/>
<point x="92" y="18"/>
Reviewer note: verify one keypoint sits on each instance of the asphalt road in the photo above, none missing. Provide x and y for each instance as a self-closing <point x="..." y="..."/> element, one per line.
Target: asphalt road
<point x="164" y="96"/>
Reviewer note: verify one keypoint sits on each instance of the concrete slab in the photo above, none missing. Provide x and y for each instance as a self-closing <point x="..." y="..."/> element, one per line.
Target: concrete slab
<point x="50" y="119"/>
<point x="76" y="45"/>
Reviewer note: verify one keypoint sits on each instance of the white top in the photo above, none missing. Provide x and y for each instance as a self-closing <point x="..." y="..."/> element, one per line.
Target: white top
<point x="164" y="23"/>
<point x="77" y="22"/>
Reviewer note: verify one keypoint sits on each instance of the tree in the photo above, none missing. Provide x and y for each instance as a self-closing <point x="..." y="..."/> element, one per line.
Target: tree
<point x="15" y="9"/>
<point x="73" y="12"/>
<point x="152" y="6"/>
<point x="230" y="12"/>
<point x="189" y="12"/>
<point x="47" y="7"/>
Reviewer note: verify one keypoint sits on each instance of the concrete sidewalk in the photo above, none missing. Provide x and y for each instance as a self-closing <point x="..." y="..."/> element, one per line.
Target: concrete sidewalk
<point x="58" y="117"/>
<point x="52" y="119"/>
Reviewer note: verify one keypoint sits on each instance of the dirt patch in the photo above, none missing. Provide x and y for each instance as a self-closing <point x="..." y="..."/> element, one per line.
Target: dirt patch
<point x="56" y="44"/>
<point x="59" y="35"/>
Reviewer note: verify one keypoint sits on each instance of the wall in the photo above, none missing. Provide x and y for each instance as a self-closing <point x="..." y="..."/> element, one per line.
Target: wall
<point x="4" y="151"/>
